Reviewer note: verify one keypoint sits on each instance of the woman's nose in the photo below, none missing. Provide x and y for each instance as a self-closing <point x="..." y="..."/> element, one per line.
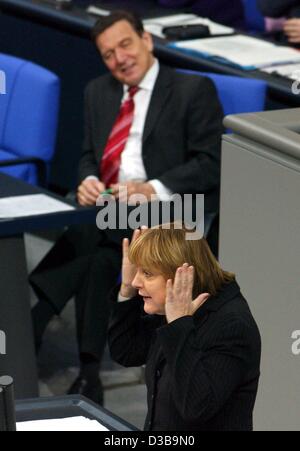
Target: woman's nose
<point x="137" y="283"/>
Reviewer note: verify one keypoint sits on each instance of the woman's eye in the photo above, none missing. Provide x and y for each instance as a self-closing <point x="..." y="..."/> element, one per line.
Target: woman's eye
<point x="147" y="274"/>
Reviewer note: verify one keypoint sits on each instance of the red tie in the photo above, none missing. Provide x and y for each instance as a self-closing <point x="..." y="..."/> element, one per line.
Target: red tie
<point x="111" y="160"/>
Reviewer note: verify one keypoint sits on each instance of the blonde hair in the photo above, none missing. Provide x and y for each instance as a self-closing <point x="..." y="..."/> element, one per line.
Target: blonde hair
<point x="163" y="250"/>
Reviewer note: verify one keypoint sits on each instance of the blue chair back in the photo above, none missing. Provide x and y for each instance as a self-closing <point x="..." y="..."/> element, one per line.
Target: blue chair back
<point x="237" y="95"/>
<point x="28" y="115"/>
<point x="255" y="21"/>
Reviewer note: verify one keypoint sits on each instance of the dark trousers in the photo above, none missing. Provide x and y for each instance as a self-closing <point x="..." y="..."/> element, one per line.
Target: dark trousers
<point x="85" y="262"/>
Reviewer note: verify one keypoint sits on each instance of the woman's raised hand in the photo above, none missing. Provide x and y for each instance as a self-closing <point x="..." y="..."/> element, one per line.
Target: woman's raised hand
<point x="128" y="269"/>
<point x="179" y="295"/>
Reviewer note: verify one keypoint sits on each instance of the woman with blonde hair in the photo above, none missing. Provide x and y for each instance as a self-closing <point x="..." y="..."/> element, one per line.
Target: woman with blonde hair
<point x="183" y="316"/>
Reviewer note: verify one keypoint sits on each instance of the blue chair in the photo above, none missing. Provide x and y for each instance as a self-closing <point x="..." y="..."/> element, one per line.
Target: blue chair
<point x="28" y="119"/>
<point x="255" y="21"/>
<point x="237" y="95"/>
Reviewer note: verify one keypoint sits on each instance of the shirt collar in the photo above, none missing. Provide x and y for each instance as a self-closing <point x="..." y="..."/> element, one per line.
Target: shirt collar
<point x="149" y="80"/>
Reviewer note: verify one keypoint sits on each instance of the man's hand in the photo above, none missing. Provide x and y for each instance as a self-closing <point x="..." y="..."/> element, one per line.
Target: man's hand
<point x="89" y="191"/>
<point x="292" y="30"/>
<point x="179" y="297"/>
<point x="123" y="191"/>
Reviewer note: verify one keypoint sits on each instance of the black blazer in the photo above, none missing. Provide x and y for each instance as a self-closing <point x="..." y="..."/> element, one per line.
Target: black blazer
<point x="279" y="8"/>
<point x="182" y="136"/>
<point x="202" y="372"/>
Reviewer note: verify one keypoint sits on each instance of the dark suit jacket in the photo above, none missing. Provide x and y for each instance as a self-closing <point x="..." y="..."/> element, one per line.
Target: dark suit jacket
<point x="202" y="372"/>
<point x="279" y="8"/>
<point x="182" y="135"/>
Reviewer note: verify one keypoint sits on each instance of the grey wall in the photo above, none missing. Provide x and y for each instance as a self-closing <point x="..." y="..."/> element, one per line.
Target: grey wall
<point x="259" y="241"/>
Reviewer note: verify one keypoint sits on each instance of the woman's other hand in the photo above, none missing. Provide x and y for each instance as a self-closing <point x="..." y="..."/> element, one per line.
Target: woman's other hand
<point x="179" y="295"/>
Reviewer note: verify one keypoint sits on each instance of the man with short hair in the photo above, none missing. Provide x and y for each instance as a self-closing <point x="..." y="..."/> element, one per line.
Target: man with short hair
<point x="149" y="129"/>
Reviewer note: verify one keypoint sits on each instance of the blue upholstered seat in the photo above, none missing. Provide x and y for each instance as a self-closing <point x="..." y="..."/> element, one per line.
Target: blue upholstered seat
<point x="238" y="95"/>
<point x="28" y="118"/>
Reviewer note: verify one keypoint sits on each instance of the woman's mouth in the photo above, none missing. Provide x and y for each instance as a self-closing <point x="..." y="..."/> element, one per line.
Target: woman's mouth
<point x="146" y="298"/>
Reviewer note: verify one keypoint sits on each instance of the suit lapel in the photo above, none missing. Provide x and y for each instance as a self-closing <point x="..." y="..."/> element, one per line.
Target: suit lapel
<point x="111" y="102"/>
<point x="109" y="110"/>
<point x="161" y="92"/>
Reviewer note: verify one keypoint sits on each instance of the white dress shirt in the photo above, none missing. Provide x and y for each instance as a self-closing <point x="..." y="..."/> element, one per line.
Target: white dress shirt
<point x="132" y="166"/>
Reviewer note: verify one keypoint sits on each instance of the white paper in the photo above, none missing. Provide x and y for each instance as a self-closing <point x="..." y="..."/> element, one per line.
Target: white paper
<point x="97" y="11"/>
<point x="156" y="25"/>
<point x="291" y="71"/>
<point x="175" y="19"/>
<point x="61" y="425"/>
<point x="31" y="205"/>
<point x="244" y="51"/>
